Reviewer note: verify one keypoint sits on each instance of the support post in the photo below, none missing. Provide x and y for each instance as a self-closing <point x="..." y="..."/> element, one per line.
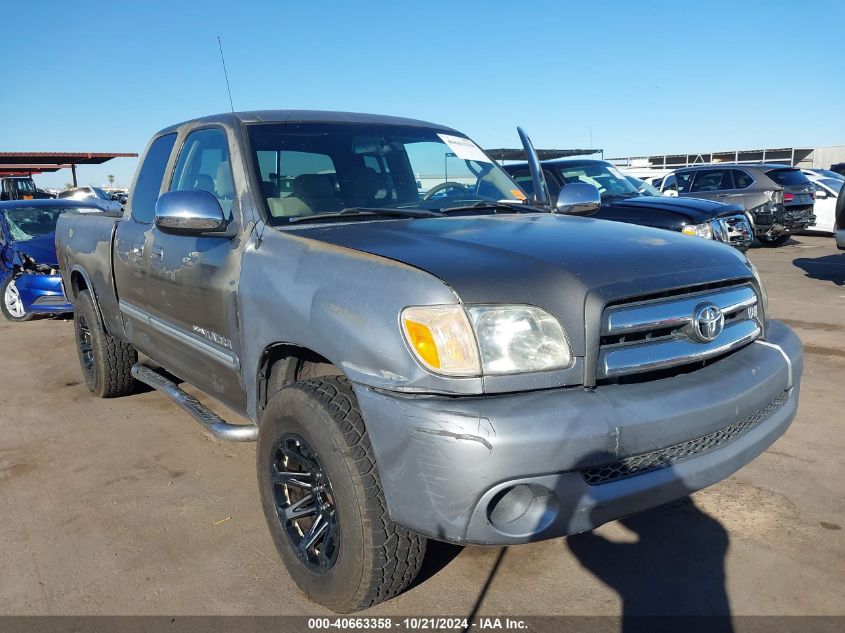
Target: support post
<point x="73" y="171"/>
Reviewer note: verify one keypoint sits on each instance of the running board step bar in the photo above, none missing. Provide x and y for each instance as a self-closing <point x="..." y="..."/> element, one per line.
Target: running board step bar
<point x="212" y="422"/>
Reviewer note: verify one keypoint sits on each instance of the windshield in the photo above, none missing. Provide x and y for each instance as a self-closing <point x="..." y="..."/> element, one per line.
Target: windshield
<point x="26" y="223"/>
<point x="25" y="185"/>
<point x="833" y="183"/>
<point x="643" y="187"/>
<point x="788" y="177"/>
<point x="610" y="182"/>
<point x="312" y="168"/>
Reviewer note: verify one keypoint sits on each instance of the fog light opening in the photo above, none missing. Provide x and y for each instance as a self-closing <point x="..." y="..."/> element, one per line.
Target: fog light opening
<point x="523" y="510"/>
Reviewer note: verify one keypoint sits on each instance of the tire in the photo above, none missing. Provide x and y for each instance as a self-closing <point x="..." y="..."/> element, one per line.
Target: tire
<point x="362" y="557"/>
<point x="772" y="242"/>
<point x="10" y="302"/>
<point x="106" y="362"/>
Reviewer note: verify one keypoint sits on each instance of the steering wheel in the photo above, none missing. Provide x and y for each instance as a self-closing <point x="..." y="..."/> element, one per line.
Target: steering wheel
<point x="449" y="184"/>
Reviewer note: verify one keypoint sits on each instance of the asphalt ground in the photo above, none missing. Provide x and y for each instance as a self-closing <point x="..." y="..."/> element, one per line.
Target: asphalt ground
<point x="125" y="506"/>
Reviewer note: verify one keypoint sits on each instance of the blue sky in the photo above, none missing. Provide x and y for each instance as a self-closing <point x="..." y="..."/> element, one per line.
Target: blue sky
<point x="646" y="77"/>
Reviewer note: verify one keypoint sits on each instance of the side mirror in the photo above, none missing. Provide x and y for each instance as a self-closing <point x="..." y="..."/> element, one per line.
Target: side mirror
<point x="670" y="193"/>
<point x="189" y="213"/>
<point x="578" y="198"/>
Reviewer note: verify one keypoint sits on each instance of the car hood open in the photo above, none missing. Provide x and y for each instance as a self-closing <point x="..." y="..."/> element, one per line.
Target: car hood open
<point x="564" y="264"/>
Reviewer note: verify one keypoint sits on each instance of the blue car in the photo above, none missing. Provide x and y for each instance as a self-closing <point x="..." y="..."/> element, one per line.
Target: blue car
<point x="30" y="282"/>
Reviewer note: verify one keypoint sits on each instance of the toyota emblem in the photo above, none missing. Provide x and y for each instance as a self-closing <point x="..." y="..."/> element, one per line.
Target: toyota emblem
<point x="707" y="322"/>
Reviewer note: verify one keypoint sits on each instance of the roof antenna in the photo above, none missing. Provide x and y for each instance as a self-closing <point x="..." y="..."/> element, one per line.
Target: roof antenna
<point x="225" y="74"/>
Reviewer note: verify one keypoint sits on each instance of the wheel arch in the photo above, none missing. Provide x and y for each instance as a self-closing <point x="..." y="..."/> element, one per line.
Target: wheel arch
<point x="281" y="364"/>
<point x="80" y="281"/>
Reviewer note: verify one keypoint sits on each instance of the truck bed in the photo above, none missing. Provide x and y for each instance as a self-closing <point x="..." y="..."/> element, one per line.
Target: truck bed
<point x="84" y="250"/>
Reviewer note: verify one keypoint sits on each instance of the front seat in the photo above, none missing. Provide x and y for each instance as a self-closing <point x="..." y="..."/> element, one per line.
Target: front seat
<point x="312" y="193"/>
<point x="360" y="186"/>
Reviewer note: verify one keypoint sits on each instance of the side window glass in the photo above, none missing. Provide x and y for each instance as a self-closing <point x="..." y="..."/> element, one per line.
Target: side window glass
<point x="742" y="180"/>
<point x="684" y="181"/>
<point x="670" y="183"/>
<point x="203" y="165"/>
<point x="145" y="193"/>
<point x="707" y="181"/>
<point x="523" y="179"/>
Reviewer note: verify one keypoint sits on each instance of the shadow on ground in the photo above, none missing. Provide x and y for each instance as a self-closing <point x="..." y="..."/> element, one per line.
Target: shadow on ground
<point x="827" y="268"/>
<point x="673" y="567"/>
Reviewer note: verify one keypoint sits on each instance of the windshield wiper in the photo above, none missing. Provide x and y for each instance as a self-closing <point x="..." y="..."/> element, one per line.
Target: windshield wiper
<point x="365" y="212"/>
<point x="516" y="207"/>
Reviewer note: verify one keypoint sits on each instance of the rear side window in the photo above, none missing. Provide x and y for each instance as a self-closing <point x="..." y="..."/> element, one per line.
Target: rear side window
<point x="712" y="180"/>
<point x="742" y="180"/>
<point x="788" y="177"/>
<point x="148" y="185"/>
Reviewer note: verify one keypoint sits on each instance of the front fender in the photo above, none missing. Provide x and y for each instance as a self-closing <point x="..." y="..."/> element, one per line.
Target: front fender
<point x="340" y="303"/>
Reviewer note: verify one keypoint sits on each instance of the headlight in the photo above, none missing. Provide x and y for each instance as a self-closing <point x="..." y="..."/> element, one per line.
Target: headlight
<point x="515" y="339"/>
<point x="496" y="339"/>
<point x="701" y="230"/>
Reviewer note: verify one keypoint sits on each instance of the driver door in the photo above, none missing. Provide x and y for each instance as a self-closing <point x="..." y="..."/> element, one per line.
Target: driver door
<point x="193" y="280"/>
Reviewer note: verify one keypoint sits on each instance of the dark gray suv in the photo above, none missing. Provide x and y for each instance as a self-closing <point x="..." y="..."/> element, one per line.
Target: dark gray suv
<point x="778" y="198"/>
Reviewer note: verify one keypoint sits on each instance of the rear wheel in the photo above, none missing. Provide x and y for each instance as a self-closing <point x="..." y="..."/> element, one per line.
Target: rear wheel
<point x="12" y="305"/>
<point x="771" y="242"/>
<point x="322" y="498"/>
<point x="106" y="361"/>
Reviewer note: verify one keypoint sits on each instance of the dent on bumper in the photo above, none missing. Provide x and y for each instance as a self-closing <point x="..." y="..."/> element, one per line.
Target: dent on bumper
<point x="444" y="461"/>
<point x="43" y="293"/>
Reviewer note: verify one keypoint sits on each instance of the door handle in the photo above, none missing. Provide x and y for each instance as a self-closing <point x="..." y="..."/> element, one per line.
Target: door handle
<point x="723" y="195"/>
<point x="138" y="249"/>
<point x="157" y="252"/>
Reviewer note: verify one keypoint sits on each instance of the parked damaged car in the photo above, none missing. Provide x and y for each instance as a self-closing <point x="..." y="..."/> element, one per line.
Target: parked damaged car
<point x="622" y="201"/>
<point x="778" y="198"/>
<point x="31" y="281"/>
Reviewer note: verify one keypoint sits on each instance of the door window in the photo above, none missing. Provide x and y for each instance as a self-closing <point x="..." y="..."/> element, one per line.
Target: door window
<point x="148" y="185"/>
<point x="710" y="180"/>
<point x="683" y="180"/>
<point x="203" y="165"/>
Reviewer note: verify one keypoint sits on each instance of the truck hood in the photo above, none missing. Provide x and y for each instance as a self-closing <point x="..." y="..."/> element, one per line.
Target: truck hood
<point x="562" y="263"/>
<point x="697" y="210"/>
<point x="42" y="249"/>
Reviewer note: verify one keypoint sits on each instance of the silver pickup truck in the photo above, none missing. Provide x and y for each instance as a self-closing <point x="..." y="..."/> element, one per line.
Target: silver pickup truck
<point x="423" y="351"/>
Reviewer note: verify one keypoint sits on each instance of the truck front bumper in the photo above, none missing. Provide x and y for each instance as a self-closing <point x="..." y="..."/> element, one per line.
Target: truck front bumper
<point x="516" y="468"/>
<point x="43" y="293"/>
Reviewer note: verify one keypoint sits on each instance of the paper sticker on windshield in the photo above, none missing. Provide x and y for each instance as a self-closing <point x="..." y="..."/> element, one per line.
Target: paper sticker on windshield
<point x="518" y="194"/>
<point x="464" y="148"/>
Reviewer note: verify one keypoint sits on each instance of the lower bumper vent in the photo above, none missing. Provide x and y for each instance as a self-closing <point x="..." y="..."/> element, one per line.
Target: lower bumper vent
<point x="665" y="457"/>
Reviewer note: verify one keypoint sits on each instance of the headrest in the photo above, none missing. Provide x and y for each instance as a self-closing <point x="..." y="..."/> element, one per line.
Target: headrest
<point x="204" y="182"/>
<point x="361" y="182"/>
<point x="313" y="186"/>
<point x="224" y="180"/>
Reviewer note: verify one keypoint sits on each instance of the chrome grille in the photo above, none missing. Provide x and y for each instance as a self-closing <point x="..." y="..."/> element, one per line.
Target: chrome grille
<point x="665" y="457"/>
<point x="733" y="229"/>
<point x="659" y="334"/>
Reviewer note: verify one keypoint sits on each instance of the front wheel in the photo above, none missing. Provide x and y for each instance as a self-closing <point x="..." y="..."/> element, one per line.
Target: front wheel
<point x="773" y="241"/>
<point x="12" y="305"/>
<point x="323" y="501"/>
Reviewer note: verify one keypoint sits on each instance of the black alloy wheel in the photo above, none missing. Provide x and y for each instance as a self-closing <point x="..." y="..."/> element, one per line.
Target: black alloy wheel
<point x="305" y="503"/>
